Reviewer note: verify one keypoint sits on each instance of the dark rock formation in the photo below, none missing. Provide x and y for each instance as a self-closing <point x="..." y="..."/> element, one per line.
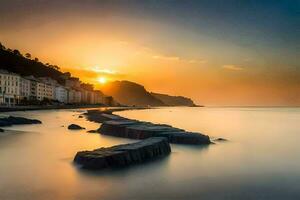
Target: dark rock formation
<point x="1" y="130"/>
<point x="115" y="125"/>
<point x="220" y="140"/>
<point x="174" y="100"/>
<point x="92" y="131"/>
<point x="101" y="116"/>
<point x="141" y="130"/>
<point x="131" y="94"/>
<point x="75" y="127"/>
<point x="9" y="121"/>
<point x="123" y="155"/>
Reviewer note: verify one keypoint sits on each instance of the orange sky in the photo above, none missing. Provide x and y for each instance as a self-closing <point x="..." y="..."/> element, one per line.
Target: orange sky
<point x="167" y="55"/>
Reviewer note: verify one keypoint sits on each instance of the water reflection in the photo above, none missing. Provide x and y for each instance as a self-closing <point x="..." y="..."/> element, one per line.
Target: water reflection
<point x="260" y="160"/>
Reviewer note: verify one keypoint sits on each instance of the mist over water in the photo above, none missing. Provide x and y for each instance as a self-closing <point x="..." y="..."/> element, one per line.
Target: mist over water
<point x="260" y="160"/>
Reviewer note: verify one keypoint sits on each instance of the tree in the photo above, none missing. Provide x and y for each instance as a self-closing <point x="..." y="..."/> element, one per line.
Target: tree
<point x="36" y="59"/>
<point x="28" y="55"/>
<point x="2" y="47"/>
<point x="56" y="67"/>
<point x="17" y="52"/>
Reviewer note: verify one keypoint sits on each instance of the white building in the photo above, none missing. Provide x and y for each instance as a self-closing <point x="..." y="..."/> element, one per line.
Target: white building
<point x="45" y="91"/>
<point x="61" y="94"/>
<point x="24" y="88"/>
<point x="74" y="96"/>
<point x="33" y="87"/>
<point x="9" y="88"/>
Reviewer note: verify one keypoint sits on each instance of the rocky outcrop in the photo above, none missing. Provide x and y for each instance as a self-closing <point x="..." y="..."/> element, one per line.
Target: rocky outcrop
<point x="92" y="131"/>
<point x="101" y="116"/>
<point x="130" y="94"/>
<point x="9" y="121"/>
<point x="123" y="155"/>
<point x="75" y="127"/>
<point x="141" y="130"/>
<point x="174" y="100"/>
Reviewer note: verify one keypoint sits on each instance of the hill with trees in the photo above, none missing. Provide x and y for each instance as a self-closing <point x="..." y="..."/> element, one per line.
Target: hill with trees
<point x="25" y="65"/>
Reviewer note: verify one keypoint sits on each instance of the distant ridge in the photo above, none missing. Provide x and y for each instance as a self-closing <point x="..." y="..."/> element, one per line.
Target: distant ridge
<point x="124" y="92"/>
<point x="174" y="100"/>
<point x="131" y="94"/>
<point x="134" y="94"/>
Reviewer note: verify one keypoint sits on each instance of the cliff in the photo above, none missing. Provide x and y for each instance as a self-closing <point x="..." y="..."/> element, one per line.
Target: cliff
<point x="174" y="100"/>
<point x="131" y="94"/>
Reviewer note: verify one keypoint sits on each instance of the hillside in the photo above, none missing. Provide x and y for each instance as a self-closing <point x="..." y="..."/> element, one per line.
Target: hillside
<point x="174" y="100"/>
<point x="14" y="61"/>
<point x="129" y="93"/>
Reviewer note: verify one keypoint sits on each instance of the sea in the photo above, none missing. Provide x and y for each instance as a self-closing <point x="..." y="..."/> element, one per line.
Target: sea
<point x="259" y="160"/>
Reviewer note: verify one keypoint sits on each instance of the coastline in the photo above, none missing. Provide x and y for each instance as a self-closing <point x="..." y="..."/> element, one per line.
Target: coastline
<point x="32" y="108"/>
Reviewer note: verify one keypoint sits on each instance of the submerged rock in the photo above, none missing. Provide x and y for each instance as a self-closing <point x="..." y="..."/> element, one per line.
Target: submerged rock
<point x="9" y="121"/>
<point x="141" y="130"/>
<point x="115" y="125"/>
<point x="100" y="116"/>
<point x="92" y="131"/>
<point x="75" y="127"/>
<point x="221" y="140"/>
<point x="123" y="155"/>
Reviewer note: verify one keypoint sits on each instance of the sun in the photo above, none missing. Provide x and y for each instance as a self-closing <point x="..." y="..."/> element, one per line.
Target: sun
<point x="102" y="80"/>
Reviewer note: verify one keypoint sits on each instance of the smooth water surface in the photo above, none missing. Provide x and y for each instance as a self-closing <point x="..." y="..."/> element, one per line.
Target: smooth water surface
<point x="260" y="161"/>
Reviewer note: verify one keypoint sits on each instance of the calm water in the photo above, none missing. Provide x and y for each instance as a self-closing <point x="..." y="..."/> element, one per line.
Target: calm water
<point x="261" y="160"/>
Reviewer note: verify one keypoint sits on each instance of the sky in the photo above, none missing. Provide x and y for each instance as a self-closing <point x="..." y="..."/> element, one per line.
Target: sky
<point x="223" y="53"/>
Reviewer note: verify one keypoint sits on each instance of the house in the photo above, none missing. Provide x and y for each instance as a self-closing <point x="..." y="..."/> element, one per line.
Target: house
<point x="33" y="87"/>
<point x="24" y="89"/>
<point x="99" y="97"/>
<point x="61" y="94"/>
<point x="9" y="88"/>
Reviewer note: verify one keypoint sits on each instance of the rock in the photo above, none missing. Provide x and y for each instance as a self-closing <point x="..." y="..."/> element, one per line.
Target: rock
<point x="123" y="155"/>
<point x="141" y="130"/>
<point x="8" y="121"/>
<point x="115" y="125"/>
<point x="100" y="116"/>
<point x="1" y="130"/>
<point x="75" y="127"/>
<point x="92" y="131"/>
<point x="221" y="140"/>
<point x="80" y="116"/>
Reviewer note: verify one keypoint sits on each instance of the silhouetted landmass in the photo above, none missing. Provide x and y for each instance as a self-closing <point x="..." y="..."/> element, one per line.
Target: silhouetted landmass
<point x="125" y="92"/>
<point x="174" y="100"/>
<point x="131" y="94"/>
<point x="25" y="65"/>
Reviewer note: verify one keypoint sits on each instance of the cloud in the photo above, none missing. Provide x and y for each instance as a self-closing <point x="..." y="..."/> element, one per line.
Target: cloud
<point x="166" y="57"/>
<point x="233" y="67"/>
<point x="198" y="61"/>
<point x="176" y="58"/>
<point x="103" y="71"/>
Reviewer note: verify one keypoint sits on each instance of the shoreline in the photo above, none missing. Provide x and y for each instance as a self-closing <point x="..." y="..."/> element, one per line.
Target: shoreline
<point x="32" y="108"/>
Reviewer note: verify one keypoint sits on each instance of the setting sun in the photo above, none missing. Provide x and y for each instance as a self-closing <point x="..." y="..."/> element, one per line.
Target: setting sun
<point x="102" y="80"/>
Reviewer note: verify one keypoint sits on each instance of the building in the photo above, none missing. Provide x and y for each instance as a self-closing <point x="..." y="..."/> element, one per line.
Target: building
<point x="61" y="94"/>
<point x="73" y="83"/>
<point x="45" y="91"/>
<point x="87" y="93"/>
<point x="78" y="96"/>
<point x="74" y="96"/>
<point x="24" y="89"/>
<point x="99" y="97"/>
<point x="9" y="88"/>
<point x="33" y="87"/>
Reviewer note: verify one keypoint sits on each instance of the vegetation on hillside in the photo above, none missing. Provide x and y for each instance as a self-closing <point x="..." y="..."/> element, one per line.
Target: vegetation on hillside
<point x="26" y="65"/>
